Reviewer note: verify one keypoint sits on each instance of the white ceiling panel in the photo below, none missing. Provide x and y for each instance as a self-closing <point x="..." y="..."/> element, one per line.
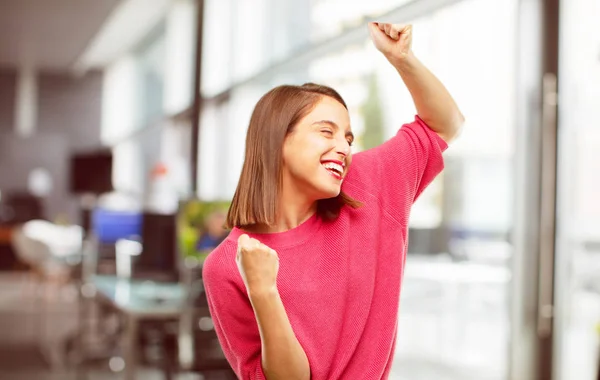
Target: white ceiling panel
<point x="49" y="34"/>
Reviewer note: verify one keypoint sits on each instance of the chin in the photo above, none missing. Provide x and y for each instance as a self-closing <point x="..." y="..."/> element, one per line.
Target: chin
<point x="325" y="188"/>
<point x="330" y="193"/>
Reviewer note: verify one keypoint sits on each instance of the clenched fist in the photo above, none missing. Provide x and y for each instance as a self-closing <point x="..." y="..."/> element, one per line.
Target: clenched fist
<point x="393" y="40"/>
<point x="258" y="265"/>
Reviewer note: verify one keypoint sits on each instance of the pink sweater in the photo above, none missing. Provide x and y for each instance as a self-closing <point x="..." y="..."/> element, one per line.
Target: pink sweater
<point x="339" y="281"/>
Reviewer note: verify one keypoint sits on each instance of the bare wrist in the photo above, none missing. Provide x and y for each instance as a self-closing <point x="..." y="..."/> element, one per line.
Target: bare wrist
<point x="403" y="62"/>
<point x="262" y="294"/>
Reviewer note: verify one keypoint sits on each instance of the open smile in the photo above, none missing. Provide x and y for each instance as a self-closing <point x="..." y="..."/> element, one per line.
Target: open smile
<point x="335" y="168"/>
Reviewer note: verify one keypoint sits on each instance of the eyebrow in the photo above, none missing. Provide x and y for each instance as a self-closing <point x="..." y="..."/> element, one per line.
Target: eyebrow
<point x="334" y="125"/>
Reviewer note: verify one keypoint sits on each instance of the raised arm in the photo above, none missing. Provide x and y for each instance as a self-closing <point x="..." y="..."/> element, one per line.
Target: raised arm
<point x="434" y="103"/>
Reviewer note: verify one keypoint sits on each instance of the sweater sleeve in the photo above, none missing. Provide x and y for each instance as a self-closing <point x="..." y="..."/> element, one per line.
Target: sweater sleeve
<point x="234" y="320"/>
<point x="397" y="171"/>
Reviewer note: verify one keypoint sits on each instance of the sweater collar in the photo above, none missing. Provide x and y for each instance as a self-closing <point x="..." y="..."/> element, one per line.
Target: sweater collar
<point x="287" y="238"/>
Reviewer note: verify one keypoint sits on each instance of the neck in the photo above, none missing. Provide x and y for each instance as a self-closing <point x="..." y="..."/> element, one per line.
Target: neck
<point x="294" y="209"/>
<point x="293" y="215"/>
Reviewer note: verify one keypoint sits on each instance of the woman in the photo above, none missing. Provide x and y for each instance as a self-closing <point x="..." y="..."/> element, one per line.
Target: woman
<point x="307" y="284"/>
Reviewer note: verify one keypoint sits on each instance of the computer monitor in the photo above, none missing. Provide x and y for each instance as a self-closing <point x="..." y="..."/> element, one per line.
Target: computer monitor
<point x="91" y="172"/>
<point x="158" y="259"/>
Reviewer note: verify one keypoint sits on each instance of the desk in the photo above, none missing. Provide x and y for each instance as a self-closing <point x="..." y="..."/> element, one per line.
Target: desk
<point x="138" y="300"/>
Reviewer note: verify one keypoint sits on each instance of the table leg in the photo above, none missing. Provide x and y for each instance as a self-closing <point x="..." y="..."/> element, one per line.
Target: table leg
<point x="80" y="340"/>
<point x="130" y="347"/>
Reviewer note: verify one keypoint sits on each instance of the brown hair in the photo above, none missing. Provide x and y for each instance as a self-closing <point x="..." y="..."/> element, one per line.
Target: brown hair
<point x="276" y="114"/>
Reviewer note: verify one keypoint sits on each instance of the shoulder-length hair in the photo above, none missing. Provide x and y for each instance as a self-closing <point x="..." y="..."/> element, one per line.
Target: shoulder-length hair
<point x="276" y="114"/>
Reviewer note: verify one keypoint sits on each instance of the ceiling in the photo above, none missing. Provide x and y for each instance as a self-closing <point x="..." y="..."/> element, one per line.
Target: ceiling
<point x="49" y="34"/>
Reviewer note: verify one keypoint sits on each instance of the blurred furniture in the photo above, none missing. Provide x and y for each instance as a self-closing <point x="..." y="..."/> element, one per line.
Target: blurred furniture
<point x="428" y="240"/>
<point x="137" y="301"/>
<point x="91" y="172"/>
<point x="16" y="208"/>
<point x="462" y="291"/>
<point x="53" y="252"/>
<point x="20" y="207"/>
<point x="106" y="227"/>
<point x="456" y="273"/>
<point x="158" y="259"/>
<point x="158" y="316"/>
<point x="196" y="348"/>
<point x="8" y="258"/>
<point x="150" y="310"/>
<point x="484" y="246"/>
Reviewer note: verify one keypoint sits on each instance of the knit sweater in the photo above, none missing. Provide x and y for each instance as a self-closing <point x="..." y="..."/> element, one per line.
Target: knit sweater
<point x="339" y="281"/>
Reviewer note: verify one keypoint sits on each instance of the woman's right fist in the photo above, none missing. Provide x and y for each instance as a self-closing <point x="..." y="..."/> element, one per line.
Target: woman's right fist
<point x="258" y="265"/>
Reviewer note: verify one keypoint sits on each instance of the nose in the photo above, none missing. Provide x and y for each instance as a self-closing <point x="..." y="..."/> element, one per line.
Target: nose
<point x="343" y="148"/>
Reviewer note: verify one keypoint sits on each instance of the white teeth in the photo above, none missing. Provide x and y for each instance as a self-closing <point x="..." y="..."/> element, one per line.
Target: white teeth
<point x="331" y="165"/>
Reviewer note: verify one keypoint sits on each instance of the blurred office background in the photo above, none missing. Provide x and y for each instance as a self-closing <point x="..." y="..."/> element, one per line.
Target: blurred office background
<point x="122" y="124"/>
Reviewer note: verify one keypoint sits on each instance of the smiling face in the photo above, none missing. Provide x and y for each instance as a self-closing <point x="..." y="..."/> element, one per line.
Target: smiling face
<point x="297" y="154"/>
<point x="316" y="153"/>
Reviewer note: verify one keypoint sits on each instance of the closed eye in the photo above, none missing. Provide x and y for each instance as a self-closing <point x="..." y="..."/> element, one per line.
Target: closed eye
<point x="327" y="132"/>
<point x="350" y="138"/>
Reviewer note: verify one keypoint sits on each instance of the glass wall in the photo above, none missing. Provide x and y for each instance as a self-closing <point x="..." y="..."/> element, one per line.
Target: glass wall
<point x="151" y="71"/>
<point x="454" y="320"/>
<point x="146" y="91"/>
<point x="577" y="283"/>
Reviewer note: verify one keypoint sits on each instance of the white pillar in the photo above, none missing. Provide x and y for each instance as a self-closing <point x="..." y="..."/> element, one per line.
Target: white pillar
<point x="26" y="105"/>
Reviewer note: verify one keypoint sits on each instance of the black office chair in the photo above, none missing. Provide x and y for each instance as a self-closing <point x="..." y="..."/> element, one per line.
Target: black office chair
<point x="20" y="207"/>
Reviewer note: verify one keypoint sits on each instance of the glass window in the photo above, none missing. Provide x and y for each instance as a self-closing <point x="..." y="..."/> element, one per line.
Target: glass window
<point x="210" y="177"/>
<point x="180" y="55"/>
<point x="250" y="18"/>
<point x="128" y="176"/>
<point x="577" y="285"/>
<point x="454" y="312"/>
<point x="217" y="50"/>
<point x="120" y="100"/>
<point x="241" y="38"/>
<point x="151" y="58"/>
<point x="238" y="113"/>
